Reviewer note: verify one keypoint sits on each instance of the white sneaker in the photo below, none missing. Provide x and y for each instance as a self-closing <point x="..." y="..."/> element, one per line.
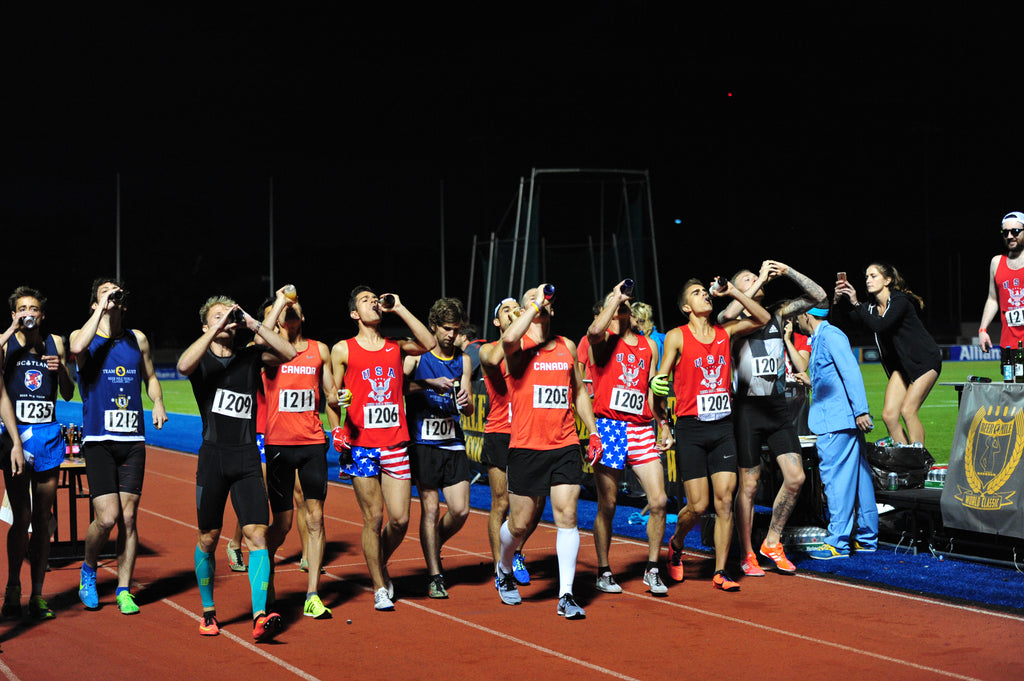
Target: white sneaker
<point x="569" y="608"/>
<point x="652" y="578"/>
<point x="381" y="600"/>
<point x="507" y="589"/>
<point x="606" y="583"/>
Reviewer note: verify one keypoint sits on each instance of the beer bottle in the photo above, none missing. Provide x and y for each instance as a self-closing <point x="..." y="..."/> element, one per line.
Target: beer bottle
<point x="1007" y="364"/>
<point x="1018" y="363"/>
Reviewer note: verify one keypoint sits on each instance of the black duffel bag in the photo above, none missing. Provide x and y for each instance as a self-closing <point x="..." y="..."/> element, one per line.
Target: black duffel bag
<point x="910" y="464"/>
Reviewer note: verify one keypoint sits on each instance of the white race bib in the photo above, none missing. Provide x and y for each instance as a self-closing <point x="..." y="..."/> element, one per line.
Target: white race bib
<point x="380" y="416"/>
<point x="767" y="367"/>
<point x="550" y="397"/>
<point x="34" y="411"/>
<point x="121" y="421"/>
<point x="628" y="401"/>
<point x="296" y="400"/>
<point x="1015" y="317"/>
<point x="437" y="429"/>
<point x="713" y="406"/>
<point x="231" y="404"/>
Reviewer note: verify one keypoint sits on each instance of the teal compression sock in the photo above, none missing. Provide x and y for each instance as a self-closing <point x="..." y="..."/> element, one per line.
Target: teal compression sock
<point x="259" y="574"/>
<point x="205" y="565"/>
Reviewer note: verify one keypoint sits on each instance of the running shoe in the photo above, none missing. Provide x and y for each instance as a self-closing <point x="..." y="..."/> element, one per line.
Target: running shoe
<point x="519" y="570"/>
<point x="87" y="590"/>
<point x="675" y="561"/>
<point x="570" y="609"/>
<point x="750" y="566"/>
<point x="12" y="602"/>
<point x="606" y="583"/>
<point x="827" y="552"/>
<point x="437" y="588"/>
<point x="862" y="548"/>
<point x="381" y="600"/>
<point x="39" y="610"/>
<point x="723" y="582"/>
<point x="267" y="626"/>
<point x="507" y="589"/>
<point x="316" y="609"/>
<point x="208" y="625"/>
<point x="235" y="559"/>
<point x="652" y="578"/>
<point x="126" y="604"/>
<point x="778" y="556"/>
<point x="304" y="566"/>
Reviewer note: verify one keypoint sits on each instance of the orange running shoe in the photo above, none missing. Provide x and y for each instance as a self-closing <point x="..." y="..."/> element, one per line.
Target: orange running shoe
<point x="208" y="625"/>
<point x="266" y="626"/>
<point x="723" y="582"/>
<point x="782" y="564"/>
<point x="750" y="566"/>
<point x="675" y="561"/>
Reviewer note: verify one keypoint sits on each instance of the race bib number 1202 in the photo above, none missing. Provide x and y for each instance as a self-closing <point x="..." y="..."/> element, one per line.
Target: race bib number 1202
<point x="713" y="407"/>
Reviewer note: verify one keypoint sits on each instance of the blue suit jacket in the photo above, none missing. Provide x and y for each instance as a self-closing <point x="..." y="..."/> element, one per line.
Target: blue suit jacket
<point x="837" y="387"/>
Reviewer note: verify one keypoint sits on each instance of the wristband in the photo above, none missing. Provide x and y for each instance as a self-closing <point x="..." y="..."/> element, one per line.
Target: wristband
<point x="535" y="307"/>
<point x="983" y="330"/>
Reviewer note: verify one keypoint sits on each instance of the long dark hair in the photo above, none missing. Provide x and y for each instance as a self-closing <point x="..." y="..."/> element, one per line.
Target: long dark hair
<point x="897" y="283"/>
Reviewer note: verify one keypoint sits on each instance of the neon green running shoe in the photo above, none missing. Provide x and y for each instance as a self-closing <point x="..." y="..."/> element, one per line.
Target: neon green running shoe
<point x="316" y="609"/>
<point x="39" y="610"/>
<point x="126" y="604"/>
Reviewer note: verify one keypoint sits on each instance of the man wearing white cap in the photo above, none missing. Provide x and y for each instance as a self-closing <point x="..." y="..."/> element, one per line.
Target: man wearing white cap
<point x="1006" y="286"/>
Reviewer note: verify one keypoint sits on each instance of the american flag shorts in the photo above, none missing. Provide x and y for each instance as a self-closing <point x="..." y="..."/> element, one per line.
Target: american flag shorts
<point x="632" y="443"/>
<point x="368" y="462"/>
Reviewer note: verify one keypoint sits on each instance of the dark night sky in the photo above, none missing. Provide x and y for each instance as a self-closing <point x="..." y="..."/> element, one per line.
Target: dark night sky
<point x="853" y="132"/>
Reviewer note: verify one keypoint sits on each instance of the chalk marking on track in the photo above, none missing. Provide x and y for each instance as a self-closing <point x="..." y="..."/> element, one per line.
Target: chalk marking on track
<point x="809" y="639"/>
<point x="246" y="644"/>
<point x="8" y="672"/>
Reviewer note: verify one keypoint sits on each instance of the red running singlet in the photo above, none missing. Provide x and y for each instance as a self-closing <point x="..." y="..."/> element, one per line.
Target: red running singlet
<point x="376" y="417"/>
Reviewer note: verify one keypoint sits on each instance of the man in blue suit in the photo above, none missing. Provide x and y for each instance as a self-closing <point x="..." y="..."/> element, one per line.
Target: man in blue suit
<point x="839" y="417"/>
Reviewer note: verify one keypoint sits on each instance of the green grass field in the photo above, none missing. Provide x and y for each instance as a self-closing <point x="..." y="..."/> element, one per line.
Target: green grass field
<point x="938" y="414"/>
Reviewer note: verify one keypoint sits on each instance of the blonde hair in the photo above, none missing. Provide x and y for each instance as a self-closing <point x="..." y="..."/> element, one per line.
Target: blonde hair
<point x="644" y="314"/>
<point x="210" y="302"/>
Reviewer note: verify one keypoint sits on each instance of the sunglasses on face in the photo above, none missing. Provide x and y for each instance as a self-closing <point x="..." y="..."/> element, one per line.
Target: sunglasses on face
<point x="1014" y="231"/>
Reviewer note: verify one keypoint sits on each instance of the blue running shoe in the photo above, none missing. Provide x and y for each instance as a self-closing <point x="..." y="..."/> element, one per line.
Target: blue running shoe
<point x="87" y="590"/>
<point x="519" y="570"/>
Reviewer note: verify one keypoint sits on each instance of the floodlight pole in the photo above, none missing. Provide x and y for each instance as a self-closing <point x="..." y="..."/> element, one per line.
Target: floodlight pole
<point x="117" y="228"/>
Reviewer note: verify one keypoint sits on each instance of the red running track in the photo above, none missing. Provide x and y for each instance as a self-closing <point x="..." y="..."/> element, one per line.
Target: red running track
<point x="775" y="627"/>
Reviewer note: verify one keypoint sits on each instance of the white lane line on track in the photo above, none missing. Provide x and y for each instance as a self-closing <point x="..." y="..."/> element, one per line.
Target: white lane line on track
<point x="7" y="672"/>
<point x="246" y="644"/>
<point x="809" y="639"/>
<point x="630" y="540"/>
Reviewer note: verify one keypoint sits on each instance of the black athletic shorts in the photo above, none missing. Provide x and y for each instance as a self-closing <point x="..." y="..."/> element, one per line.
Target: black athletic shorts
<point x="495" y="451"/>
<point x="235" y="470"/>
<point x="113" y="467"/>
<point x="763" y="420"/>
<point x="436" y="468"/>
<point x="704" y="448"/>
<point x="310" y="461"/>
<point x="532" y="473"/>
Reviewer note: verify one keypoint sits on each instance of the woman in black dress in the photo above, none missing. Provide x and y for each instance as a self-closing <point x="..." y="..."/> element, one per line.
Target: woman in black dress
<point x="909" y="354"/>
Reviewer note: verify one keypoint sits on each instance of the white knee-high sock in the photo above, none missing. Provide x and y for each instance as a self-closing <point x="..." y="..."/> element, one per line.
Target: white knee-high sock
<point x="508" y="549"/>
<point x="567" y="546"/>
